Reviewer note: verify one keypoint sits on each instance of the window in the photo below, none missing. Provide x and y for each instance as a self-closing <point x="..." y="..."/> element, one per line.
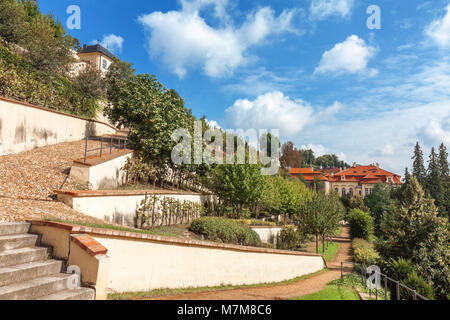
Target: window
<point x="350" y="192"/>
<point x="343" y="191"/>
<point x="337" y="190"/>
<point x="104" y="64"/>
<point x="367" y="191"/>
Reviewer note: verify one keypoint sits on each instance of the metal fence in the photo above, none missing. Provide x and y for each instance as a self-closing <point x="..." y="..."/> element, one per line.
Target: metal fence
<point x="386" y="289"/>
<point x="108" y="145"/>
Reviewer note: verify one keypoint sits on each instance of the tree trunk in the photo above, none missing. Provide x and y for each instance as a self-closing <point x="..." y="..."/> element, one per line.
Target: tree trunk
<point x="317" y="243"/>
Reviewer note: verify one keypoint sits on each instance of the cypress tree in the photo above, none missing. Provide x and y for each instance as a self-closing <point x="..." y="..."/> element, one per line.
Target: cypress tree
<point x="418" y="165"/>
<point x="445" y="180"/>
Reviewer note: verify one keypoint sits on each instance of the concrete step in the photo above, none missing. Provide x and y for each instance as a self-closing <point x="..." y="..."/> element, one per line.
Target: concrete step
<point x="17" y="241"/>
<point x="21" y="256"/>
<point x="28" y="271"/>
<point x="71" y="294"/>
<point x="14" y="228"/>
<point x="39" y="287"/>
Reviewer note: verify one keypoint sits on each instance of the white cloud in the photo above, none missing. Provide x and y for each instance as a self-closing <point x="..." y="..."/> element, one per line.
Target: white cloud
<point x="439" y="30"/>
<point x="113" y="43"/>
<point x="435" y="132"/>
<point x="183" y="39"/>
<point x="318" y="149"/>
<point x="386" y="150"/>
<point x="272" y="110"/>
<point x="350" y="56"/>
<point x="321" y="9"/>
<point x="213" y="124"/>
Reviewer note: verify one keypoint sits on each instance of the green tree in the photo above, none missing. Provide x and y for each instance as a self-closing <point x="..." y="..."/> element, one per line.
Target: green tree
<point x="320" y="216"/>
<point x="13" y="21"/>
<point x="317" y="184"/>
<point x="418" y="165"/>
<point x="443" y="164"/>
<point x="379" y="202"/>
<point x="435" y="183"/>
<point x="239" y="184"/>
<point x="413" y="230"/>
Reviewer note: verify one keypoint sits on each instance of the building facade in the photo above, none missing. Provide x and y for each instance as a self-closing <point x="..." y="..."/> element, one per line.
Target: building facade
<point x="355" y="181"/>
<point x="96" y="56"/>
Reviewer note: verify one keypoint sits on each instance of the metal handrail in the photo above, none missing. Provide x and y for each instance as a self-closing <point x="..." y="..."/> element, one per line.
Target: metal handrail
<point x="111" y="140"/>
<point x="386" y="279"/>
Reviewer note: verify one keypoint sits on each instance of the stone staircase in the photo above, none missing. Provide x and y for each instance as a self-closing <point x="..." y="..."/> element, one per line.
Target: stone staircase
<point x="26" y="272"/>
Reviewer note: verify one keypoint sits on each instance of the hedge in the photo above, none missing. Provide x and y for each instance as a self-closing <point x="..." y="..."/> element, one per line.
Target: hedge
<point x="226" y="231"/>
<point x="364" y="252"/>
<point x="361" y="224"/>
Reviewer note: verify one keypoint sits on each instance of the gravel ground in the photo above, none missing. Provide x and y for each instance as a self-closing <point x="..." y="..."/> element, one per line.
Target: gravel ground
<point x="28" y="179"/>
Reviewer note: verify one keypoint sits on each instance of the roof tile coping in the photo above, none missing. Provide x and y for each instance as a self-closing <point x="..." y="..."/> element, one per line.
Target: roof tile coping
<point x="26" y="104"/>
<point x="95" y="160"/>
<point x="118" y="193"/>
<point x="169" y="240"/>
<point x="89" y="244"/>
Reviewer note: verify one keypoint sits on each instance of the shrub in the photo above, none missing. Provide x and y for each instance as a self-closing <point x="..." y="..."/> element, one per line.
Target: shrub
<point x="361" y="224"/>
<point x="289" y="238"/>
<point x="364" y="252"/>
<point x="225" y="230"/>
<point x="404" y="271"/>
<point x="258" y="223"/>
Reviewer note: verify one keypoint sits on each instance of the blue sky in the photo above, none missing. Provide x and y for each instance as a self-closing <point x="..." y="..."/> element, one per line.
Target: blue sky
<point x="311" y="68"/>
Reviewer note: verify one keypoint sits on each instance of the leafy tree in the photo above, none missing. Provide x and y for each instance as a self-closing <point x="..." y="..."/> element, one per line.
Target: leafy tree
<point x="13" y="21"/>
<point x="320" y="215"/>
<point x="379" y="202"/>
<point x="413" y="230"/>
<point x="291" y="157"/>
<point x="239" y="184"/>
<point x="266" y="143"/>
<point x="418" y="165"/>
<point x="317" y="184"/>
<point x="89" y="82"/>
<point x="358" y="203"/>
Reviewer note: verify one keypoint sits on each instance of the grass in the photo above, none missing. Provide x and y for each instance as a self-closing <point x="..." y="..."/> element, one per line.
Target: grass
<point x="354" y="280"/>
<point x="332" y="292"/>
<point x="169" y="231"/>
<point x="168" y="292"/>
<point x="330" y="252"/>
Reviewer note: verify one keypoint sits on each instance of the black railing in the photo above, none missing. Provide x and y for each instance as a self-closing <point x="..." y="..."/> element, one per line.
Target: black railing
<point x="108" y="145"/>
<point x="391" y="287"/>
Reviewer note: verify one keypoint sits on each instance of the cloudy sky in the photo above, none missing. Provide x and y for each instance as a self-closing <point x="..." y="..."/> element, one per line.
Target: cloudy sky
<point x="311" y="68"/>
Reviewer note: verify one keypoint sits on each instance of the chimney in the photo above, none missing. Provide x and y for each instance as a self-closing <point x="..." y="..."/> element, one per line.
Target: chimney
<point x="354" y="164"/>
<point x="378" y="165"/>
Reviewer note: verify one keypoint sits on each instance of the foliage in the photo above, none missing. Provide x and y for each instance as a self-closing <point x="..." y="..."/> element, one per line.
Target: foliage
<point x="226" y="231"/>
<point x="13" y="24"/>
<point x="379" y="202"/>
<point x="320" y="215"/>
<point x="290" y="156"/>
<point x="404" y="271"/>
<point x="419" y="171"/>
<point x="165" y="211"/>
<point x="289" y="238"/>
<point x="258" y="223"/>
<point x="358" y="203"/>
<point x="333" y="293"/>
<point x="239" y="184"/>
<point x="361" y="224"/>
<point x="364" y="252"/>
<point x="413" y="231"/>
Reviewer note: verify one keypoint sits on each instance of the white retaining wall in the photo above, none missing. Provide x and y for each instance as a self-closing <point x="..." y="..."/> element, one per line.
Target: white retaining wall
<point x="139" y="265"/>
<point x="24" y="127"/>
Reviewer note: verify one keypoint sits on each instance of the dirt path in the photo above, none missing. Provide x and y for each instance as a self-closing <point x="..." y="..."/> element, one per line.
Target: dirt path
<point x="300" y="288"/>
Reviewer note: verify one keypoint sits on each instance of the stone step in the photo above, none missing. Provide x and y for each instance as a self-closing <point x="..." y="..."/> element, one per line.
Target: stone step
<point x="21" y="256"/>
<point x="17" y="241"/>
<point x="71" y="294"/>
<point x="39" y="287"/>
<point x="10" y="228"/>
<point x="28" y="271"/>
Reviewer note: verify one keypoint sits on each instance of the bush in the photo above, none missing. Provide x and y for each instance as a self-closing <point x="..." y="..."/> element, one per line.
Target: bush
<point x="404" y="271"/>
<point x="289" y="238"/>
<point x="364" y="252"/>
<point x="361" y="224"/>
<point x="258" y="223"/>
<point x="226" y="231"/>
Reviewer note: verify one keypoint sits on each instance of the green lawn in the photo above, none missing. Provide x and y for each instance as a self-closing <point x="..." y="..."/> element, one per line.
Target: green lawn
<point x="332" y="292"/>
<point x="330" y="252"/>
